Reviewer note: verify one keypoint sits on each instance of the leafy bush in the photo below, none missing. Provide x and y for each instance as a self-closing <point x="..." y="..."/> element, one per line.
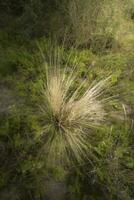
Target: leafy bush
<point x="19" y="167"/>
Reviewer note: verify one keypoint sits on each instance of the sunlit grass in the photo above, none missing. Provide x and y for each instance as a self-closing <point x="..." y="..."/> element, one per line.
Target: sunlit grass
<point x="70" y="112"/>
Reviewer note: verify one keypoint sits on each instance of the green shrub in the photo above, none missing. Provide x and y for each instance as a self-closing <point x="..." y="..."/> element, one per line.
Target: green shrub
<point x="20" y="168"/>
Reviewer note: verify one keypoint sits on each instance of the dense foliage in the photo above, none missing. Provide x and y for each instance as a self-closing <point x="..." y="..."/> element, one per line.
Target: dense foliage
<point x="97" y="39"/>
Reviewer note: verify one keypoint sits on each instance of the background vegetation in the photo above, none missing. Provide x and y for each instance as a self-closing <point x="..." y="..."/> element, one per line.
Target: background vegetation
<point x="98" y="37"/>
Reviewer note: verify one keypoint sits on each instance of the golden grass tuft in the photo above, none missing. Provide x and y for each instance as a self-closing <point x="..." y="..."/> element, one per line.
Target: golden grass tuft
<point x="71" y="108"/>
<point x="70" y="114"/>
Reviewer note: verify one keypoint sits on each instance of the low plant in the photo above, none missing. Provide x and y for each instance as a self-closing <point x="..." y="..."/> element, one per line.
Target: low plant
<point x="71" y="109"/>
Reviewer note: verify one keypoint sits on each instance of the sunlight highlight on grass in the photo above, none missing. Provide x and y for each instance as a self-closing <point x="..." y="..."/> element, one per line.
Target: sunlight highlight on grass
<point x="70" y="114"/>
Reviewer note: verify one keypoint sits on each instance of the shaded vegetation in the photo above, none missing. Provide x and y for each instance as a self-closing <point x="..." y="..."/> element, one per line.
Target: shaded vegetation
<point x="98" y="39"/>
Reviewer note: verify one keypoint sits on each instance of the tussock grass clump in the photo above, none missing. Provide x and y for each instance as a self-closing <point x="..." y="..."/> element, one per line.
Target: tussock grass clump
<point x="70" y="113"/>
